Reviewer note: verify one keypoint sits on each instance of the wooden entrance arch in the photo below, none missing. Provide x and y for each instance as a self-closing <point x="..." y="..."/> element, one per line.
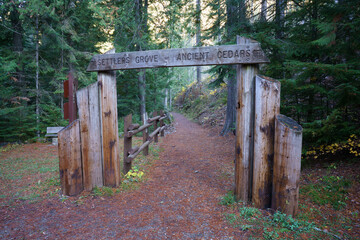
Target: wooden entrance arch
<point x="96" y="133"/>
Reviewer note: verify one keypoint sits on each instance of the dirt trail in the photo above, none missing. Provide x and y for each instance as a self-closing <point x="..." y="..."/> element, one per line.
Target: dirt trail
<point x="180" y="199"/>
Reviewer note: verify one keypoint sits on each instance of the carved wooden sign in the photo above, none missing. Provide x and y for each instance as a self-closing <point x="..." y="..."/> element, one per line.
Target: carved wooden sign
<point x="200" y="56"/>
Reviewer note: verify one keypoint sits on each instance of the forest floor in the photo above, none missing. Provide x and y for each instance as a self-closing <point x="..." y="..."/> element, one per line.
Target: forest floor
<point x="184" y="194"/>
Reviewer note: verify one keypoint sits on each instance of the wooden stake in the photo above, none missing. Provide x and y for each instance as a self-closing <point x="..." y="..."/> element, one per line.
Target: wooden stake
<point x="70" y="159"/>
<point x="156" y="138"/>
<point x="90" y="131"/>
<point x="145" y="135"/>
<point x="110" y="135"/>
<point x="287" y="165"/>
<point x="127" y="144"/>
<point x="244" y="127"/>
<point x="162" y="134"/>
<point x="267" y="106"/>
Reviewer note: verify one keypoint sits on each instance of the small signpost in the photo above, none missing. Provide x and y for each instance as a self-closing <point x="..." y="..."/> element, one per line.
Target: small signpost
<point x="255" y="121"/>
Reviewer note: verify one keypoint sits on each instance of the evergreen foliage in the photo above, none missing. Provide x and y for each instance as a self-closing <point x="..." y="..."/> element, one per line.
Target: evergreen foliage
<point x="313" y="47"/>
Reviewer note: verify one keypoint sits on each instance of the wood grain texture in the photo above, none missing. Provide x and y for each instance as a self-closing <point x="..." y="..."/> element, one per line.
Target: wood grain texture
<point x="267" y="106"/>
<point x="287" y="165"/>
<point x="70" y="159"/>
<point x="90" y="131"/>
<point x="109" y="121"/>
<point x="246" y="53"/>
<point x="245" y="75"/>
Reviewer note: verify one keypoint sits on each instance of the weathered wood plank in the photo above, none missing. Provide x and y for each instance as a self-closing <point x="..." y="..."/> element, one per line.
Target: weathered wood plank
<point x="287" y="165"/>
<point x="133" y="126"/>
<point x="245" y="53"/>
<point x="70" y="159"/>
<point x="110" y="135"/>
<point x="155" y="118"/>
<point x="127" y="144"/>
<point x="245" y="75"/>
<point x="140" y="129"/>
<point x="267" y="106"/>
<point x="90" y="130"/>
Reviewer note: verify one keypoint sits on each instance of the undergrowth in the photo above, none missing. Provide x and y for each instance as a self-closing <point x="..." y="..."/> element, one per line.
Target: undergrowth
<point x="263" y="224"/>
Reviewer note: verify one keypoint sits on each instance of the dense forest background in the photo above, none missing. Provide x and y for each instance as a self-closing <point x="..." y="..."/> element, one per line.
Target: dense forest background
<point x="313" y="46"/>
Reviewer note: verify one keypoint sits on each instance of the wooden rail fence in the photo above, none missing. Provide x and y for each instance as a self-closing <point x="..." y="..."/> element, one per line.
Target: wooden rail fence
<point x="131" y="129"/>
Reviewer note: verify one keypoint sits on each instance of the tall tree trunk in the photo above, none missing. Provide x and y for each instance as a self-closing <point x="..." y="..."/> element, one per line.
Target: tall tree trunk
<point x="166" y="98"/>
<point x="231" y="105"/>
<point x="279" y="17"/>
<point x="142" y="89"/>
<point x="198" y="36"/>
<point x="37" y="77"/>
<point x="170" y="99"/>
<point x="233" y="9"/>
<point x="263" y="10"/>
<point x="141" y="14"/>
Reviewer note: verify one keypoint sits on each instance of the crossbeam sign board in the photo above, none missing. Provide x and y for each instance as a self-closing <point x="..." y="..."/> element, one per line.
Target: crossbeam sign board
<point x="181" y="57"/>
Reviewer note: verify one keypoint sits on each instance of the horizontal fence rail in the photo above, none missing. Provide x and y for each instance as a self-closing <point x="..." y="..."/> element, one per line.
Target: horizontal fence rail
<point x="130" y="129"/>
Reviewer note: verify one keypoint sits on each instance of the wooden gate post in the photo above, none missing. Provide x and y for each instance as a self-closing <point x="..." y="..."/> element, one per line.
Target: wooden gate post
<point x="245" y="74"/>
<point x="90" y="131"/>
<point x="127" y="144"/>
<point x="110" y="134"/>
<point x="287" y="165"/>
<point x="70" y="159"/>
<point x="267" y="106"/>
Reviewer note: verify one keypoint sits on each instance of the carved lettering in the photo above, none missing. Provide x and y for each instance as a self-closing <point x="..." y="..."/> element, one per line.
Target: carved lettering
<point x="147" y="59"/>
<point x="192" y="56"/>
<point x="201" y="56"/>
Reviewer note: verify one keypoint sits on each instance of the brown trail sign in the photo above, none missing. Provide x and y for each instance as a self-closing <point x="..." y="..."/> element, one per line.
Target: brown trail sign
<point x="255" y="120"/>
<point x="249" y="53"/>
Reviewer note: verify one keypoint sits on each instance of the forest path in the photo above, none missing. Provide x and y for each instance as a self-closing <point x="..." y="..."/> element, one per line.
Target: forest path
<point x="179" y="200"/>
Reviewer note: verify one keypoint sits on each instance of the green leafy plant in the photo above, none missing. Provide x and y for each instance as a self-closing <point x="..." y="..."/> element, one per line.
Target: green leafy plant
<point x="134" y="175"/>
<point x="228" y="199"/>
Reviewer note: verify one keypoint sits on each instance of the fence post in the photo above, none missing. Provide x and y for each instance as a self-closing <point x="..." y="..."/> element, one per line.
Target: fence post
<point x="287" y="165"/>
<point x="110" y="134"/>
<point x="127" y="144"/>
<point x="156" y="138"/>
<point x="145" y="135"/>
<point x="70" y="159"/>
<point x="245" y="74"/>
<point x="162" y="134"/>
<point x="267" y="106"/>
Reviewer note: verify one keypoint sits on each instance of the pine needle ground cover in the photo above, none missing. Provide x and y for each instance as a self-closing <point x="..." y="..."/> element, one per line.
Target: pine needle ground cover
<point x="30" y="173"/>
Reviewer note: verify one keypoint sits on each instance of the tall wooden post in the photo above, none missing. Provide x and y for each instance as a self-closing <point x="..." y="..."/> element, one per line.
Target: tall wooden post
<point x="110" y="135"/>
<point x="267" y="106"/>
<point x="245" y="74"/>
<point x="287" y="165"/>
<point x="127" y="144"/>
<point x="90" y="131"/>
<point x="70" y="159"/>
